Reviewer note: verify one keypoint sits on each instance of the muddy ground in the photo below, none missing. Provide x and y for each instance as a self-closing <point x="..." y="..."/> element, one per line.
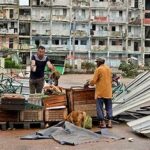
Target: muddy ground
<point x="10" y="139"/>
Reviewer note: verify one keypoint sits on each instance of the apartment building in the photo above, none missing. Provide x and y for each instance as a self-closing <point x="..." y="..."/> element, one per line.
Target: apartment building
<point x="83" y="29"/>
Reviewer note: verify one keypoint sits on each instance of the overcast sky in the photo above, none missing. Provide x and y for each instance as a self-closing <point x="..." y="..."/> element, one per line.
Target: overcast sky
<point x="24" y="2"/>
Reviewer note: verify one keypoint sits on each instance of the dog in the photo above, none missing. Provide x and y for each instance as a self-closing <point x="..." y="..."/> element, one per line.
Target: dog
<point x="76" y="117"/>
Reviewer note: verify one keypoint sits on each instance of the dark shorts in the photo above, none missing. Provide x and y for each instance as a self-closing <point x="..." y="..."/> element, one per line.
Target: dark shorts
<point x="36" y="85"/>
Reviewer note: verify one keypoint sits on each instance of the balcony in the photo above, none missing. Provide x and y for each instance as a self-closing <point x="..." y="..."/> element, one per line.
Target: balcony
<point x="41" y="32"/>
<point x="25" y="17"/>
<point x="40" y="18"/>
<point x="96" y="48"/>
<point x="82" y="18"/>
<point x="117" y="5"/>
<point x="134" y="35"/>
<point x="23" y="46"/>
<point x="147" y="21"/>
<point x="60" y="32"/>
<point x="116" y="34"/>
<point x="135" y="21"/>
<point x="8" y="31"/>
<point x="101" y="33"/>
<point x="60" y="18"/>
<point x="99" y="4"/>
<point x="117" y="20"/>
<point x="2" y="2"/>
<point x="80" y="33"/>
<point x="99" y="19"/>
<point x="116" y="48"/>
<point x="81" y="3"/>
<point x="42" y="3"/>
<point x="63" y="3"/>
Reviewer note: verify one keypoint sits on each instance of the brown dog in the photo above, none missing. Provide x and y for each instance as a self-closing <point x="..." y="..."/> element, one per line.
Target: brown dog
<point x="76" y="117"/>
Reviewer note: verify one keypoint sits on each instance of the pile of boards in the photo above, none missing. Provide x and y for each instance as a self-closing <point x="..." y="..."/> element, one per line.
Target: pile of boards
<point x="133" y="104"/>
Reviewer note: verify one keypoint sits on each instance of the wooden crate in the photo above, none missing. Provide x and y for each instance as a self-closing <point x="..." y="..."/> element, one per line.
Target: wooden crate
<point x="35" y="99"/>
<point x="6" y="116"/>
<point x="90" y="109"/>
<point x="54" y="114"/>
<point x="31" y="115"/>
<point x="80" y="96"/>
<point x="12" y="102"/>
<point x="54" y="100"/>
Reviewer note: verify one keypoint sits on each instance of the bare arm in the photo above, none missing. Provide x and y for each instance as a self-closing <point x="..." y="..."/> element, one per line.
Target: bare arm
<point x="33" y="67"/>
<point x="50" y="66"/>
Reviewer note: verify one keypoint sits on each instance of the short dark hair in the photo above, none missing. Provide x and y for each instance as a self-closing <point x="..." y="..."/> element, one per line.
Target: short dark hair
<point x="41" y="47"/>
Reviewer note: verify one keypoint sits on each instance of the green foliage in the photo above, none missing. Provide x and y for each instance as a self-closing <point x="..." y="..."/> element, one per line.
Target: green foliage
<point x="11" y="64"/>
<point x="88" y="65"/>
<point x="67" y="65"/>
<point x="129" y="69"/>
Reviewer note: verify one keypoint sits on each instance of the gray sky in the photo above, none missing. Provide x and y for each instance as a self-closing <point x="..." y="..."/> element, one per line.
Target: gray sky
<point x="23" y="2"/>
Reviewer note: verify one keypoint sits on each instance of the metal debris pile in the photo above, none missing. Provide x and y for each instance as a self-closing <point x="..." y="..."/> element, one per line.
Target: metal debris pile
<point x="133" y="104"/>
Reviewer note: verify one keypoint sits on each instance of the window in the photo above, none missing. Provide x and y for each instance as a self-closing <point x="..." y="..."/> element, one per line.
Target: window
<point x="11" y="43"/>
<point x="93" y="27"/>
<point x="129" y="43"/>
<point x="101" y="42"/>
<point x="120" y="13"/>
<point x="147" y="43"/>
<point x="64" y="12"/>
<point x="83" y="12"/>
<point x="83" y="42"/>
<point x="64" y="42"/>
<point x="113" y="43"/>
<point x="93" y="12"/>
<point x="45" y="42"/>
<point x="113" y="28"/>
<point x="12" y="25"/>
<point x="93" y="42"/>
<point x="55" y="41"/>
<point x="76" y="42"/>
<point x="129" y="29"/>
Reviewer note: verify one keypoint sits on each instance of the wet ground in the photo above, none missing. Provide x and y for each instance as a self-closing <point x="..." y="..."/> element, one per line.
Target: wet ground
<point x="10" y="139"/>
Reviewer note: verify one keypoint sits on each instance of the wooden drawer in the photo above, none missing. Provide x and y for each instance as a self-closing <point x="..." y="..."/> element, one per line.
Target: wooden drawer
<point x="31" y="115"/>
<point x="54" y="100"/>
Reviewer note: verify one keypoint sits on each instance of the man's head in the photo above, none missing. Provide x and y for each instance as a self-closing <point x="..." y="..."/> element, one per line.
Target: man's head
<point x="41" y="52"/>
<point x="99" y="61"/>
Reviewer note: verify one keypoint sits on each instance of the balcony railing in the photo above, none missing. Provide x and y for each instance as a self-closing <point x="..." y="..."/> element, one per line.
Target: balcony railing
<point x="8" y="31"/>
<point x="61" y="3"/>
<point x="101" y="33"/>
<point x="99" y="4"/>
<point x="135" y="21"/>
<point x="116" y="34"/>
<point x="42" y="32"/>
<point x="147" y="21"/>
<point x="98" y="48"/>
<point x="134" y="35"/>
<point x="117" y="20"/>
<point x="60" y="18"/>
<point x="40" y="18"/>
<point x="81" y="3"/>
<point x="80" y="33"/>
<point x="82" y="18"/>
<point x="117" y="5"/>
<point x="101" y="19"/>
<point x="8" y="2"/>
<point x="25" y="17"/>
<point x="23" y="46"/>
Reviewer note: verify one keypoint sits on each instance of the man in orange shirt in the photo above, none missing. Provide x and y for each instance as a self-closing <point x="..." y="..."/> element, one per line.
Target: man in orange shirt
<point x="103" y="92"/>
